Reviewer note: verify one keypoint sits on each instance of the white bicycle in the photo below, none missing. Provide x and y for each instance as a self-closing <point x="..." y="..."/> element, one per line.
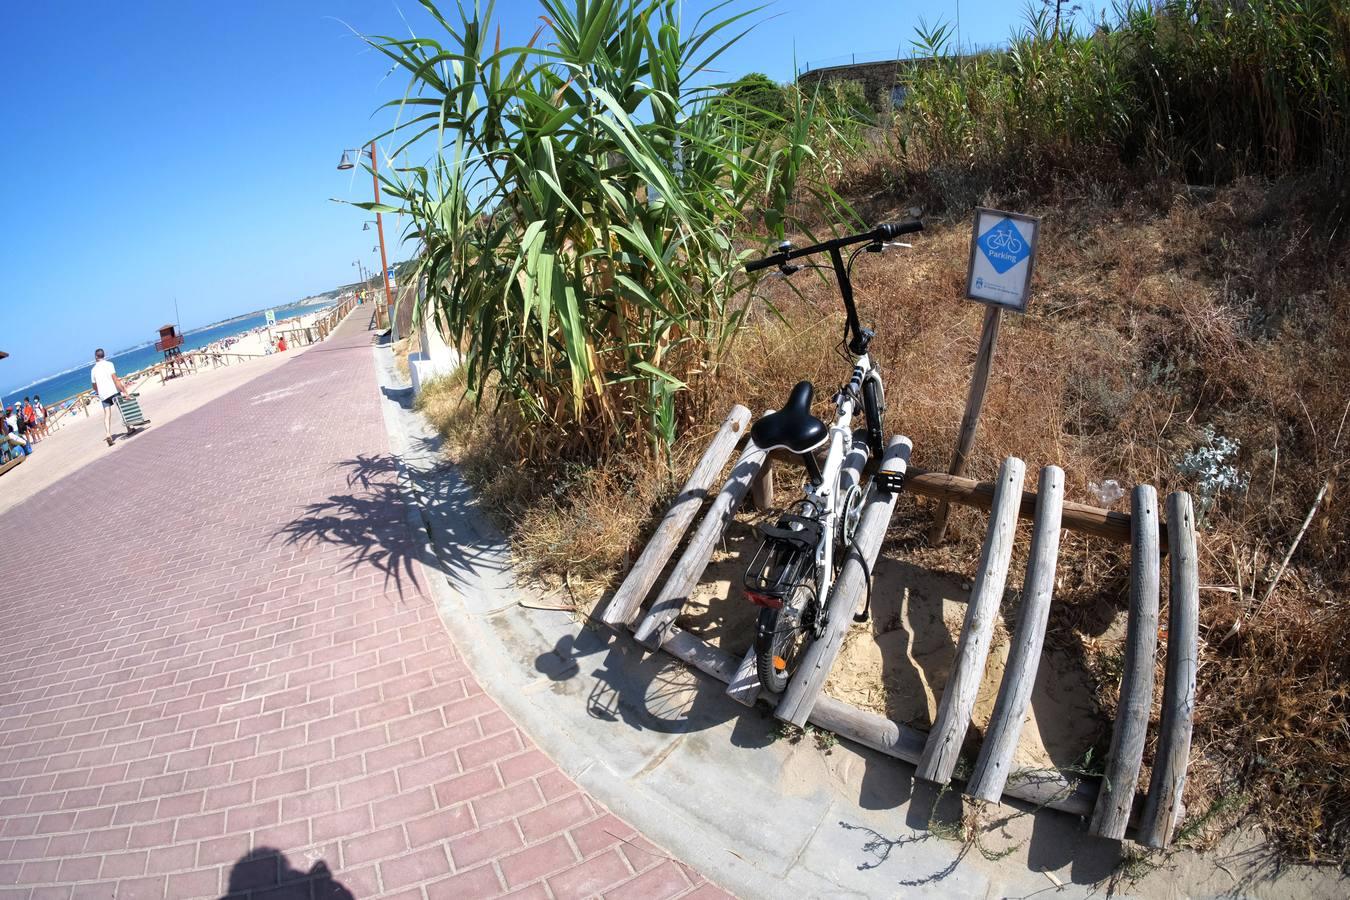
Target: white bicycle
<point x="791" y="574"/>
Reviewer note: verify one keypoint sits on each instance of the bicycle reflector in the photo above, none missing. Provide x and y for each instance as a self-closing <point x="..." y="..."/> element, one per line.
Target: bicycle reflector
<point x="759" y="598"/>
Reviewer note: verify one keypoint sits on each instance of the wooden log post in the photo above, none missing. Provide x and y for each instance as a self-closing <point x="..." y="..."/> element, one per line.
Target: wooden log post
<point x="744" y="684"/>
<point x="1079" y="517"/>
<point x="761" y="487"/>
<point x="1116" y="799"/>
<point x="970" y="419"/>
<point x="943" y="748"/>
<point x="1019" y="676"/>
<point x="670" y="602"/>
<point x="694" y="650"/>
<point x="626" y="602"/>
<point x="808" y="681"/>
<point x="1162" y="808"/>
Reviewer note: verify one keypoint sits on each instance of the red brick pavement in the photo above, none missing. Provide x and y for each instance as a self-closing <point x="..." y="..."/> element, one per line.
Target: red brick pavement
<point x="218" y="673"/>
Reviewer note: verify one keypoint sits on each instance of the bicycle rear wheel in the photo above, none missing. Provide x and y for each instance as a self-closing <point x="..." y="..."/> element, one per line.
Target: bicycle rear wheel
<point x="781" y="637"/>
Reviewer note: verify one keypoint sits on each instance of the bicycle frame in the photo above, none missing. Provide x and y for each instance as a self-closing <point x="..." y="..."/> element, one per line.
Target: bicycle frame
<point x="777" y="570"/>
<point x="825" y="496"/>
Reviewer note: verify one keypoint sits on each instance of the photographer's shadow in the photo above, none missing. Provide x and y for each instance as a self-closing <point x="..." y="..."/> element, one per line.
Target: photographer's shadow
<point x="265" y="871"/>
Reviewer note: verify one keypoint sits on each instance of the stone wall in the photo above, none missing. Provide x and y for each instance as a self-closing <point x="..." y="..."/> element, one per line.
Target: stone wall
<point x="877" y="78"/>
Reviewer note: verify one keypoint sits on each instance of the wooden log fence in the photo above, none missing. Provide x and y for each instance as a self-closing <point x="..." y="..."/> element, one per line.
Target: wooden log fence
<point x="1112" y="814"/>
<point x="1079" y="517"/>
<point x="670" y="602"/>
<point x="745" y="687"/>
<point x="994" y="762"/>
<point x="958" y="697"/>
<point x="1048" y="788"/>
<point x="803" y="691"/>
<point x="1114" y="804"/>
<point x="623" y="606"/>
<point x="1162" y="809"/>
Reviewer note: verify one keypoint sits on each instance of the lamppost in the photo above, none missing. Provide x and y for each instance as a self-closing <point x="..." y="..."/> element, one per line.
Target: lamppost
<point x="343" y="165"/>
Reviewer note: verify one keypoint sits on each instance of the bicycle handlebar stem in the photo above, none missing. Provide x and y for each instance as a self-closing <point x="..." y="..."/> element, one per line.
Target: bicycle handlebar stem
<point x="857" y="338"/>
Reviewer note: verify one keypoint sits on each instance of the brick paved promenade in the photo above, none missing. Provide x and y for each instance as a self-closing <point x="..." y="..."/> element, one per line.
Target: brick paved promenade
<point x="219" y="675"/>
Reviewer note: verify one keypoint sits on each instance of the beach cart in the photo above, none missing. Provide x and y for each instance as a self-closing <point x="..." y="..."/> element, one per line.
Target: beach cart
<point x="130" y="408"/>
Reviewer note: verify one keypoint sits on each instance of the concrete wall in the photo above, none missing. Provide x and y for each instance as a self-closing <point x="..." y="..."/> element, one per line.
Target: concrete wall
<point x="877" y="78"/>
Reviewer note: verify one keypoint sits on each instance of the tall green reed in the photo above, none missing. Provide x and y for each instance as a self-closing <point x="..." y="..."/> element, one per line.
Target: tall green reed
<point x="578" y="206"/>
<point x="1191" y="87"/>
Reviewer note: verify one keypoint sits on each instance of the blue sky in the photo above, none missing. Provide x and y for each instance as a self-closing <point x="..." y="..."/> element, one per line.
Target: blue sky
<point x="179" y="148"/>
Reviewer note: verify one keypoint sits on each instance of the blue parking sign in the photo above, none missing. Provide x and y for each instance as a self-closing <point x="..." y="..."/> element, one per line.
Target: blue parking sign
<point x="1002" y="257"/>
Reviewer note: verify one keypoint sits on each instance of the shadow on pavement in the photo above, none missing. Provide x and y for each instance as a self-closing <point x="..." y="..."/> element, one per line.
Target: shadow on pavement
<point x="650" y="691"/>
<point x="402" y="396"/>
<point x="266" y="872"/>
<point x="371" y="522"/>
<point x="368" y="521"/>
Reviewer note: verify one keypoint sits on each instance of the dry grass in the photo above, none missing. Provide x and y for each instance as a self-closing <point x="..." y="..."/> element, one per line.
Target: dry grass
<point x="1154" y="314"/>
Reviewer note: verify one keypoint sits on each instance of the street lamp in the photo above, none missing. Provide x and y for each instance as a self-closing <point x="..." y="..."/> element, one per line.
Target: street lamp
<point x="343" y="165"/>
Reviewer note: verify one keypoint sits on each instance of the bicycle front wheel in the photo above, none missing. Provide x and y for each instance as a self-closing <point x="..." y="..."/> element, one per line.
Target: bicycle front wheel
<point x="781" y="637"/>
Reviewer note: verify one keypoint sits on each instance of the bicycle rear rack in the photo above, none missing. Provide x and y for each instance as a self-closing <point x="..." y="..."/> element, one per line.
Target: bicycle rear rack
<point x="785" y="560"/>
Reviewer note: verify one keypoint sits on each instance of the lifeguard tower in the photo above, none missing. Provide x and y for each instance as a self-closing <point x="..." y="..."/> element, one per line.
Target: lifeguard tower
<point x="170" y="344"/>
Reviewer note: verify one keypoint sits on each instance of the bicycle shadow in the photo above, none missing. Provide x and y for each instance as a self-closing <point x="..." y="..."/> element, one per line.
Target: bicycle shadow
<point x="646" y="691"/>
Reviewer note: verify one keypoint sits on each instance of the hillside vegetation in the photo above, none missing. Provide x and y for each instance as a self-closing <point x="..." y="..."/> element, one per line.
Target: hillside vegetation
<point x="1190" y="327"/>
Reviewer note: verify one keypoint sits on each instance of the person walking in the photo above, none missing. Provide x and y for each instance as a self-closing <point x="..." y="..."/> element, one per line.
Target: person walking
<point x="107" y="386"/>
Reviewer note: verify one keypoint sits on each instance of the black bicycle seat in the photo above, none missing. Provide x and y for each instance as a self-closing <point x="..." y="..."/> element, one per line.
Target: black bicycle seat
<point x="792" y="427"/>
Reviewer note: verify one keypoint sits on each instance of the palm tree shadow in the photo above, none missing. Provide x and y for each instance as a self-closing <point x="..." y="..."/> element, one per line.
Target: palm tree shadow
<point x="266" y="872"/>
<point x="369" y="521"/>
<point x="393" y="518"/>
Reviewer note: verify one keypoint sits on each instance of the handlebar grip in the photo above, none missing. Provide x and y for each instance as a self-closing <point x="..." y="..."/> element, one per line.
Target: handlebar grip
<point x="766" y="262"/>
<point x="890" y="230"/>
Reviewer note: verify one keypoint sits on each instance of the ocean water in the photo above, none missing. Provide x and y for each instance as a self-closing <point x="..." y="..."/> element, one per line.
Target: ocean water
<point x="62" y="386"/>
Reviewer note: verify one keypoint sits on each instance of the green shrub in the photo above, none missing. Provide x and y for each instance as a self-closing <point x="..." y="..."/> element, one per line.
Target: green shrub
<point x="759" y="99"/>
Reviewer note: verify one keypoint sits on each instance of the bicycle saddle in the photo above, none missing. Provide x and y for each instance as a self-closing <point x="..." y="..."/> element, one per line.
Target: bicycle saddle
<point x="792" y="427"/>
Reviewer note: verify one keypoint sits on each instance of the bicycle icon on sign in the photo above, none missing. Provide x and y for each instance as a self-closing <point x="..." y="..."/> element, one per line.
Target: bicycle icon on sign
<point x="1004" y="240"/>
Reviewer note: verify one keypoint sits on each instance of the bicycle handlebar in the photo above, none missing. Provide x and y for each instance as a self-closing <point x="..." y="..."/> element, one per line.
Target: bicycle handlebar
<point x="883" y="232"/>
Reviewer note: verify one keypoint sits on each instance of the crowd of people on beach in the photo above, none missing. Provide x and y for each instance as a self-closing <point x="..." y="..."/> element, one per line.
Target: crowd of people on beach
<point x="24" y="425"/>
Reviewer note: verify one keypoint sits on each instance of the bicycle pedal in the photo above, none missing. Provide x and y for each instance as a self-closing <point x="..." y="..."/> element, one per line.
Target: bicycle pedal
<point x="890" y="482"/>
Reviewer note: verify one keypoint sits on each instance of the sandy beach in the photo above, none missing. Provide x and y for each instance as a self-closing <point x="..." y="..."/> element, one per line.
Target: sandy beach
<point x="77" y="438"/>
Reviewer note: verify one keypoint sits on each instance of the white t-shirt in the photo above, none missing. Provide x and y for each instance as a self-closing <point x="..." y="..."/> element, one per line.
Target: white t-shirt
<point x="102" y="375"/>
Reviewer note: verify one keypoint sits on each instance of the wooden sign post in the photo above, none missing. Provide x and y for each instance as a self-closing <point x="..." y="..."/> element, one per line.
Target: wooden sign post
<point x="1002" y="258"/>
